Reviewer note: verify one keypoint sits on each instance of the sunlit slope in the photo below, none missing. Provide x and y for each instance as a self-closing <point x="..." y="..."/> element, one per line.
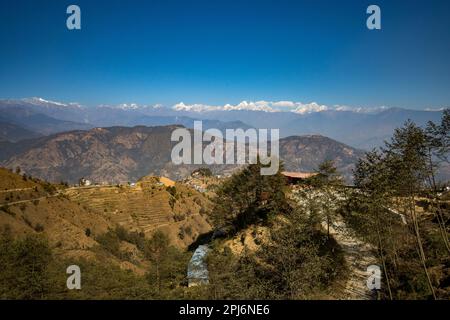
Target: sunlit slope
<point x="150" y="205"/>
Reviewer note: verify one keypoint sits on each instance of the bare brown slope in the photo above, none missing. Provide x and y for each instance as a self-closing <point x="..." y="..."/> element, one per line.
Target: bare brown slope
<point x="11" y="180"/>
<point x="181" y="212"/>
<point x="37" y="207"/>
<point x="74" y="218"/>
<point x="121" y="154"/>
<point x="305" y="153"/>
<point x="103" y="155"/>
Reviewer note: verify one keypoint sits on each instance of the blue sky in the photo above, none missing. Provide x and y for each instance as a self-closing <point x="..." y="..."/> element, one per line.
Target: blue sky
<point x="218" y="52"/>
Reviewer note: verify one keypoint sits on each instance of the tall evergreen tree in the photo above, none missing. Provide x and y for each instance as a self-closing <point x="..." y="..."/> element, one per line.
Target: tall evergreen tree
<point x="248" y="197"/>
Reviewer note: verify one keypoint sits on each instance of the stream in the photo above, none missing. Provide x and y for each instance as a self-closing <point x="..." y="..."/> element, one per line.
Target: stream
<point x="197" y="272"/>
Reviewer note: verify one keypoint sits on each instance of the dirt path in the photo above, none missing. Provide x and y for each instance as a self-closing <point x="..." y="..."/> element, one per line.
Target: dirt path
<point x="358" y="256"/>
<point x="58" y="193"/>
<point x="28" y="200"/>
<point x="15" y="190"/>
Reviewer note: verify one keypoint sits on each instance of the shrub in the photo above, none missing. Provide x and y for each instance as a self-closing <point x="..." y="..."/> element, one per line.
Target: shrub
<point x="179" y="217"/>
<point x="188" y="230"/>
<point x="172" y="191"/>
<point x="110" y="242"/>
<point x="24" y="267"/>
<point x="49" y="188"/>
<point x="7" y="210"/>
<point x="205" y="172"/>
<point x="172" y="202"/>
<point x="38" y="227"/>
<point x="27" y="221"/>
<point x="202" y="211"/>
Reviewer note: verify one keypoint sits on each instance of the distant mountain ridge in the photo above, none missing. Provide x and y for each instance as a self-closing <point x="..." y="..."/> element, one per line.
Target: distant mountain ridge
<point x="305" y="153"/>
<point x="359" y="129"/>
<point x="56" y="141"/>
<point x="30" y="123"/>
<point x="121" y="154"/>
<point x="13" y="132"/>
<point x="36" y="117"/>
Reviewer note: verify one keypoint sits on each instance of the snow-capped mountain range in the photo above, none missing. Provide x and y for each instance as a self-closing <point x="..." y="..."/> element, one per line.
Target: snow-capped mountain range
<point x="261" y="105"/>
<point x="270" y="106"/>
<point x="357" y="126"/>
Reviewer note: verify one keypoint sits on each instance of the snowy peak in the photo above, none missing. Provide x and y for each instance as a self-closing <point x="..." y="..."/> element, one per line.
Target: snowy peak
<point x="131" y="106"/>
<point x="49" y="103"/>
<point x="274" y="106"/>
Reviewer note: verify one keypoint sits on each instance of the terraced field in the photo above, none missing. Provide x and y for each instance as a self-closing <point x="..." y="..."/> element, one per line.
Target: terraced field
<point x="135" y="208"/>
<point x="149" y="206"/>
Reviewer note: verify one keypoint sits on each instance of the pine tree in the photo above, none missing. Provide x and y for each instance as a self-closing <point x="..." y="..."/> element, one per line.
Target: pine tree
<point x="325" y="193"/>
<point x="248" y="197"/>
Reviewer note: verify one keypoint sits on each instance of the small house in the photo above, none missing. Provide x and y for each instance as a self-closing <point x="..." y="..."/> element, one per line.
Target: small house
<point x="297" y="177"/>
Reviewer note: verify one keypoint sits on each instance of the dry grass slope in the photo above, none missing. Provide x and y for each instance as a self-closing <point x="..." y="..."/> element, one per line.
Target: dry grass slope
<point x="72" y="218"/>
<point x="149" y="206"/>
